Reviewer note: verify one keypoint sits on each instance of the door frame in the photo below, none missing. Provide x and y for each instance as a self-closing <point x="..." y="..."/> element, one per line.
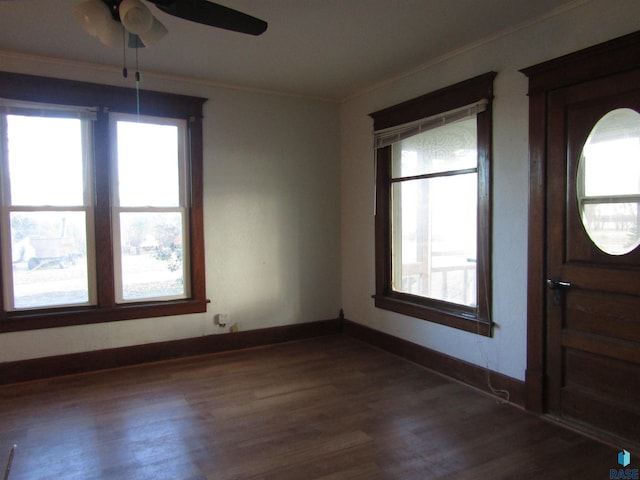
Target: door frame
<point x="615" y="56"/>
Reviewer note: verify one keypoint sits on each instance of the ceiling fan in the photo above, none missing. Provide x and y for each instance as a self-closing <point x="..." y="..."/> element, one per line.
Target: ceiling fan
<point x="106" y="19"/>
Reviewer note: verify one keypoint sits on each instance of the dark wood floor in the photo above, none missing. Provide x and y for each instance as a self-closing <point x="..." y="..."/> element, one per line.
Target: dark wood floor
<point x="329" y="408"/>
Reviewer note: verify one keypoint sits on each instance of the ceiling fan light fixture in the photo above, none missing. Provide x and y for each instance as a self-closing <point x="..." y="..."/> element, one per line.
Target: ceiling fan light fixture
<point x="154" y="34"/>
<point x="115" y="21"/>
<point x="111" y="34"/>
<point x="135" y="16"/>
<point x="92" y="15"/>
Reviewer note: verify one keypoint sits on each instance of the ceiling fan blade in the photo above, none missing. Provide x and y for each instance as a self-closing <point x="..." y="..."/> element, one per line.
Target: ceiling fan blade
<point x="209" y="13"/>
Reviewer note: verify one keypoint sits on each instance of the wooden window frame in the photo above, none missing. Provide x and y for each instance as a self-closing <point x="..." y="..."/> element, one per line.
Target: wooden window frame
<point x="475" y="320"/>
<point x="107" y="99"/>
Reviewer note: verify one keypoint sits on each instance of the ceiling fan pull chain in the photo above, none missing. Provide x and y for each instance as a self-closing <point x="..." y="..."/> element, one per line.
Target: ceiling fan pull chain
<point x="125" y="72"/>
<point x="138" y="76"/>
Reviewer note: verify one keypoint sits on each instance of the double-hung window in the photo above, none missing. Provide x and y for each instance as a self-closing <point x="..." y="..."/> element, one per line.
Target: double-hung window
<point x="149" y="208"/>
<point x="433" y="225"/>
<point x="48" y="209"/>
<point x="101" y="214"/>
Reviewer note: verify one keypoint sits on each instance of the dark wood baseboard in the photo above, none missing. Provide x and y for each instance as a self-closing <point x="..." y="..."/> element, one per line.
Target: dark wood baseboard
<point x="473" y="375"/>
<point x="457" y="369"/>
<point x="40" y="368"/>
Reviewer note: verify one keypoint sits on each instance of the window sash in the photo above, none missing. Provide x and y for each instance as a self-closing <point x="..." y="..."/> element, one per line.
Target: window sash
<point x="180" y="124"/>
<point x="64" y="261"/>
<point x="123" y="287"/>
<point x="422" y="265"/>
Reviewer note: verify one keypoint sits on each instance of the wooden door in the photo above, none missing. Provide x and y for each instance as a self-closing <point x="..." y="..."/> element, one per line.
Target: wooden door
<point x="593" y="280"/>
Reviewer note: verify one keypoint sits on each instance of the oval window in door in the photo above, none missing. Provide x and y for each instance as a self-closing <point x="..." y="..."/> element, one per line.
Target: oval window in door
<point x="608" y="182"/>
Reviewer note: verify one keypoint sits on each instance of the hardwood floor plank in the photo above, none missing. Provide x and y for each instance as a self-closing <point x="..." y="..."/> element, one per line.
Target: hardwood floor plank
<point x="327" y="408"/>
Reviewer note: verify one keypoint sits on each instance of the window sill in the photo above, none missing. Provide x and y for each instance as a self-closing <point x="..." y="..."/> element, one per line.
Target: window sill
<point x="406" y="305"/>
<point x="39" y="319"/>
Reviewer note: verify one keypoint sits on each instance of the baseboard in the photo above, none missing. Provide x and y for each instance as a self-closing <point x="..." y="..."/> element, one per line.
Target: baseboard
<point x="40" y="368"/>
<point x="457" y="369"/>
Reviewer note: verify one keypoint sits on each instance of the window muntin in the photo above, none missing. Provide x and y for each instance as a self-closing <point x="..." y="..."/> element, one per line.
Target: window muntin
<point x="56" y="98"/>
<point x="48" y="212"/>
<point x="433" y="206"/>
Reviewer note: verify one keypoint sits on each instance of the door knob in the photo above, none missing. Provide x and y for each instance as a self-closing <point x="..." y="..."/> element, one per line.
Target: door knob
<point x="555" y="284"/>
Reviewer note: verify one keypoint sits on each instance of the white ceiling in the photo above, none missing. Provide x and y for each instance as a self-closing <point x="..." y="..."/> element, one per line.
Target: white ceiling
<point x="330" y="49"/>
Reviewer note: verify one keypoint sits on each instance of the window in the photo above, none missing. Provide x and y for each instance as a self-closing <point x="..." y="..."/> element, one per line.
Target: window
<point x="433" y="214"/>
<point x="101" y="205"/>
<point x="608" y="182"/>
<point x="149" y="216"/>
<point x="48" y="204"/>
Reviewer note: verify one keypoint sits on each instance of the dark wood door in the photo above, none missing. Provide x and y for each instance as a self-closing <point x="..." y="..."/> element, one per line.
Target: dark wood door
<point x="593" y="295"/>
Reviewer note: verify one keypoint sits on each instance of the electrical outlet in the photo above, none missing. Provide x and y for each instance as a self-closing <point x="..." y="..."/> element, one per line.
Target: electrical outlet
<point x="221" y="319"/>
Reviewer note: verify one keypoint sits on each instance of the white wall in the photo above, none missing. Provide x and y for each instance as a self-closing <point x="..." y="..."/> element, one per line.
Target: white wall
<point x="585" y="24"/>
<point x="271" y="213"/>
<point x="274" y="189"/>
